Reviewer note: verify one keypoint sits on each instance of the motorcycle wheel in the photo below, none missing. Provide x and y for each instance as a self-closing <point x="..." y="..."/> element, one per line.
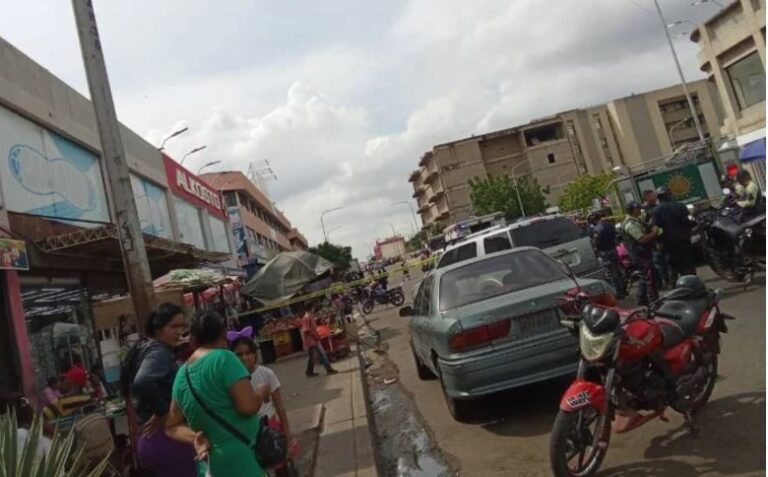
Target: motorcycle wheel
<point x="397" y="298"/>
<point x="368" y="307"/>
<point x="575" y="449"/>
<point x="694" y="403"/>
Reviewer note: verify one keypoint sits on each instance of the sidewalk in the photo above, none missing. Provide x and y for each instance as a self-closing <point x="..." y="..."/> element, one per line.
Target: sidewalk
<point x="328" y="416"/>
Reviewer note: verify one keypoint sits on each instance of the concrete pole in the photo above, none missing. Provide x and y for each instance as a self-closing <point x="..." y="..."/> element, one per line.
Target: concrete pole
<point x="680" y="71"/>
<point x="129" y="233"/>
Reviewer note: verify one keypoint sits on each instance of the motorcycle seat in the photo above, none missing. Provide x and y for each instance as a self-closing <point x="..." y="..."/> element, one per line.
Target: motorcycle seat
<point x="686" y="313"/>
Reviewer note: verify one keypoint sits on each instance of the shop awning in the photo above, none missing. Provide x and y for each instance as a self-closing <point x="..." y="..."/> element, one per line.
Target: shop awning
<point x="99" y="245"/>
<point x="753" y="151"/>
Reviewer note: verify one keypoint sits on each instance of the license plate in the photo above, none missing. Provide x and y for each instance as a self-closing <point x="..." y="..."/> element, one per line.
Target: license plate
<point x="537" y="323"/>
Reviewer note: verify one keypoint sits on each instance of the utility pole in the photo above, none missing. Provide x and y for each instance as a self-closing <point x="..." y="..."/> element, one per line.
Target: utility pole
<point x="129" y="233"/>
<point x="680" y="72"/>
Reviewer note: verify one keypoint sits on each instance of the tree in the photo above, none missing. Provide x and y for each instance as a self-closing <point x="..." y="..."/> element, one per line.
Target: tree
<point x="580" y="193"/>
<point x="498" y="194"/>
<point x="417" y="241"/>
<point x="338" y="255"/>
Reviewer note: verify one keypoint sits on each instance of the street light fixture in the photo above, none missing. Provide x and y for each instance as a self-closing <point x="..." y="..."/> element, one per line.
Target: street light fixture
<point x="209" y="164"/>
<point x="680" y="70"/>
<point x="680" y="22"/>
<point x="413" y="214"/>
<point x="173" y="134"/>
<point x="197" y="149"/>
<point x="703" y="2"/>
<point x="322" y="223"/>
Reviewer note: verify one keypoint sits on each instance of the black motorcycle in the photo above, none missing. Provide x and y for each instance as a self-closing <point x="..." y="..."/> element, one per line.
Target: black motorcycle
<point x="734" y="248"/>
<point x="381" y="296"/>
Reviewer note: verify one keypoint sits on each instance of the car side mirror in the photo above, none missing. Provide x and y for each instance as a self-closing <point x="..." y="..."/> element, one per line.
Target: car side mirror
<point x="406" y="311"/>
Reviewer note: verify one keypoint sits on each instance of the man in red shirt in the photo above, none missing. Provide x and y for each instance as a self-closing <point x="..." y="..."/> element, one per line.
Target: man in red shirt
<point x="77" y="375"/>
<point x="312" y="342"/>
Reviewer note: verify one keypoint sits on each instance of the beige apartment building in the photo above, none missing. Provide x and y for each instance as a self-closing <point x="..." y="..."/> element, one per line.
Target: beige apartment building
<point x="732" y="54"/>
<point x="627" y="132"/>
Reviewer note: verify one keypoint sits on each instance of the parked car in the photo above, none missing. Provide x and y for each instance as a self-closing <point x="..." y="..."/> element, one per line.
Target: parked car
<point x="556" y="235"/>
<point x="491" y="323"/>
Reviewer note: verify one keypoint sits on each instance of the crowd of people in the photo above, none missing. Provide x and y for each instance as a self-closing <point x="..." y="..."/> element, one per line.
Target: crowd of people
<point x="656" y="235"/>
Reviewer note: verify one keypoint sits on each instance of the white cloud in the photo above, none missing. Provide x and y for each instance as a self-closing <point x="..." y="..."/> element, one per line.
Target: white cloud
<point x="344" y="97"/>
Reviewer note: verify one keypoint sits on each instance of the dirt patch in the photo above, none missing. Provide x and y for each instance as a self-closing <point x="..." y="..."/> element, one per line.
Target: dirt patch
<point x="404" y="443"/>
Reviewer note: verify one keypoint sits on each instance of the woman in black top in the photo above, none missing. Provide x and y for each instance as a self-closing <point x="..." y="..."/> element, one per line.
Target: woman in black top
<point x="155" y="368"/>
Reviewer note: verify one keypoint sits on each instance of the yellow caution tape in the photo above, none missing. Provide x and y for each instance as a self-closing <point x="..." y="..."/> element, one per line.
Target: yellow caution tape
<point x="340" y="287"/>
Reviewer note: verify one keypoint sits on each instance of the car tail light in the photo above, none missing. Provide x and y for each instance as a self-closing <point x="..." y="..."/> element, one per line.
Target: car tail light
<point x="604" y="299"/>
<point x="479" y="335"/>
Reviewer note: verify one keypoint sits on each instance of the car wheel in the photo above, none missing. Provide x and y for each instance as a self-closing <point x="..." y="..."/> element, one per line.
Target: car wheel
<point x="422" y="370"/>
<point x="459" y="409"/>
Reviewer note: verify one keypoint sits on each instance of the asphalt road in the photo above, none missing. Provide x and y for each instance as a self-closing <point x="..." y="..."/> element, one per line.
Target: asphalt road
<point x="511" y="436"/>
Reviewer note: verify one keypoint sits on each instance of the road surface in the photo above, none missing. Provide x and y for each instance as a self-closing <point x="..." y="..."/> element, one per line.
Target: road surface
<point x="512" y="435"/>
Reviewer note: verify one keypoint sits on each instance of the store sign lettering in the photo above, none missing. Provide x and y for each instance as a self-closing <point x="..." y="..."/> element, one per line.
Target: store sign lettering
<point x="197" y="189"/>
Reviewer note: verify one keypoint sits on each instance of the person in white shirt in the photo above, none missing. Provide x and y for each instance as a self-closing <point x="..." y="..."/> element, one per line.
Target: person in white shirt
<point x="263" y="378"/>
<point x="25" y="413"/>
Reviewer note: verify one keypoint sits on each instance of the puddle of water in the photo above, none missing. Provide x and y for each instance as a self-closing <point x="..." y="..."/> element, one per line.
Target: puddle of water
<point x="404" y="441"/>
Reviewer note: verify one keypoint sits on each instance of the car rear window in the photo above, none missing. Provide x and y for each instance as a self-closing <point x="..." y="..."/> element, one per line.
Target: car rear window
<point x="497" y="276"/>
<point x="497" y="243"/>
<point x="458" y="254"/>
<point x="546" y="233"/>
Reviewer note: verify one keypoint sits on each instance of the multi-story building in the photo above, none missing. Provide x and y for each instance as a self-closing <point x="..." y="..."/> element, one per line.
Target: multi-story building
<point x="626" y="132"/>
<point x="732" y="54"/>
<point x="260" y="229"/>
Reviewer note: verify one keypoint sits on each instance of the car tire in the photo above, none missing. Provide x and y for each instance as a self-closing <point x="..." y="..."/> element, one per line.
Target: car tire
<point x="459" y="409"/>
<point x="422" y="370"/>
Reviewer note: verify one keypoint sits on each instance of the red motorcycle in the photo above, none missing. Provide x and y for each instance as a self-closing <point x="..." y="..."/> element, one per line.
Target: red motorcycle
<point x="634" y="364"/>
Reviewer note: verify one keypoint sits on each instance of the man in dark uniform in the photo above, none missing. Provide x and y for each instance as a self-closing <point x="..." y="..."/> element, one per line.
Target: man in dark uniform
<point x="660" y="263"/>
<point x="640" y="238"/>
<point x="672" y="217"/>
<point x="604" y="242"/>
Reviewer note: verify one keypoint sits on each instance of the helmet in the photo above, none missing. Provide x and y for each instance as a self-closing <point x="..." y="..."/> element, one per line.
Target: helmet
<point x="743" y="175"/>
<point x="634" y="205"/>
<point x="662" y="192"/>
<point x="693" y="283"/>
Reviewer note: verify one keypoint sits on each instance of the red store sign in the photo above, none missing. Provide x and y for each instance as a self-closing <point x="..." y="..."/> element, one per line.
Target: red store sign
<point x="191" y="188"/>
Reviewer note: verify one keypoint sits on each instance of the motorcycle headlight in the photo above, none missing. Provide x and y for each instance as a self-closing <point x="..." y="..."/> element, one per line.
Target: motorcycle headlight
<point x="594" y="347"/>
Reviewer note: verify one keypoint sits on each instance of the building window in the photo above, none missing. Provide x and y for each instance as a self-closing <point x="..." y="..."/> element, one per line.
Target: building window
<point x="597" y="122"/>
<point x="219" y="237"/>
<point x="190" y="224"/>
<point x="230" y="198"/>
<point x="748" y="80"/>
<point x="571" y="128"/>
<point x="551" y="158"/>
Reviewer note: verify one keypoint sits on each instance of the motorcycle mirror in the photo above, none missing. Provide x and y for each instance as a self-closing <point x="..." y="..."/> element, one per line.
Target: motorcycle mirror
<point x="726" y="191"/>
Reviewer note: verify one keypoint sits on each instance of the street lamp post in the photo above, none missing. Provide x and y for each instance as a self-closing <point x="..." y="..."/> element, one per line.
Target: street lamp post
<point x="197" y="149"/>
<point x="322" y="223"/>
<point x="517" y="191"/>
<point x="209" y="164"/>
<point x="665" y="25"/>
<point x="413" y="215"/>
<point x="173" y="135"/>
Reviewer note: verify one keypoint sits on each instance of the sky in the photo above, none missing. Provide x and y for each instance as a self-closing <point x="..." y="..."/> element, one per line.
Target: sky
<point x="342" y="97"/>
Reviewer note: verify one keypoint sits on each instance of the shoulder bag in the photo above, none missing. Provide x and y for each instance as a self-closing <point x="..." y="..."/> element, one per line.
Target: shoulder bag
<point x="271" y="446"/>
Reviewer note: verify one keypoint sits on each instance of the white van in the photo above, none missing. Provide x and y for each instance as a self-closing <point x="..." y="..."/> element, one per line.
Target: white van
<point x="556" y="235"/>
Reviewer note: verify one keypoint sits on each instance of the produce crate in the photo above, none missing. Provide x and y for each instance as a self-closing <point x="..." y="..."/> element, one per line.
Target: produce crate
<point x="283" y="350"/>
<point x="281" y="337"/>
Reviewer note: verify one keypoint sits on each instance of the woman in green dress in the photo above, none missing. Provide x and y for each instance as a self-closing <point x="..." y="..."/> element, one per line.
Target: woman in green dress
<point x="221" y="381"/>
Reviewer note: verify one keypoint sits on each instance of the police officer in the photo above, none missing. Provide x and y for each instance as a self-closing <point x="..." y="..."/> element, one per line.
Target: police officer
<point x="639" y="238"/>
<point x="672" y="217"/>
<point x="604" y="242"/>
<point x="660" y="262"/>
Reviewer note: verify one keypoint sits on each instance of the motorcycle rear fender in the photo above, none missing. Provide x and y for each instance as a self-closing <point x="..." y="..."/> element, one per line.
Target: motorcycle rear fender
<point x="581" y="394"/>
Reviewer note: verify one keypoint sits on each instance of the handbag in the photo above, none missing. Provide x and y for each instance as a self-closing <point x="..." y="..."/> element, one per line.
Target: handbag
<point x="271" y="446"/>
